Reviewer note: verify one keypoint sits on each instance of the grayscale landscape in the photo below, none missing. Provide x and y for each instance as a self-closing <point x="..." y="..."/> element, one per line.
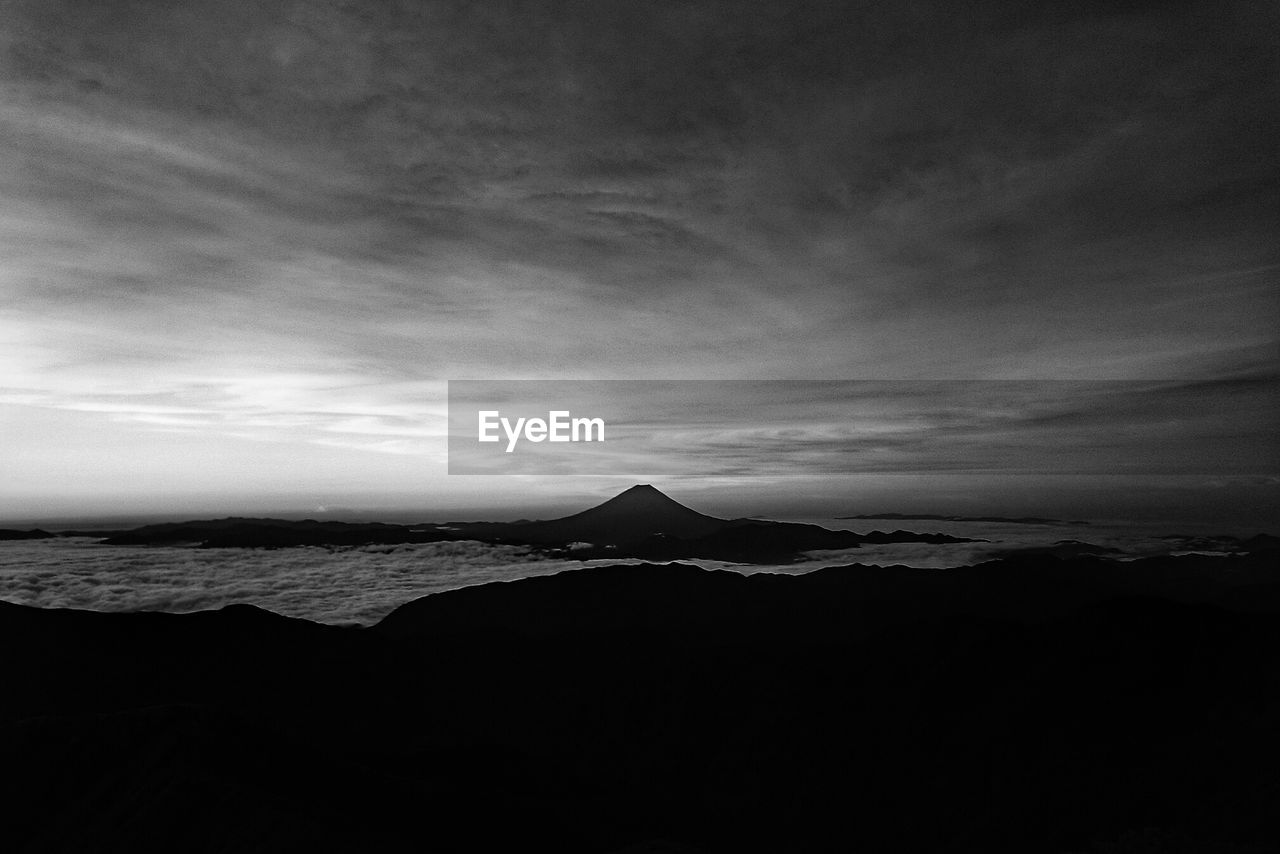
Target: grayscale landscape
<point x="926" y="366"/>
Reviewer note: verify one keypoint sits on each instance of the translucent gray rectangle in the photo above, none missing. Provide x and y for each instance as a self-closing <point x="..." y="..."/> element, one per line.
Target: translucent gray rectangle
<point x="784" y="427"/>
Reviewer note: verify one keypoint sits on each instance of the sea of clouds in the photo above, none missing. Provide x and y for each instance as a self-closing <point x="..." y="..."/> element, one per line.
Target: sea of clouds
<point x="362" y="584"/>
<point x="354" y="584"/>
<point x="359" y="584"/>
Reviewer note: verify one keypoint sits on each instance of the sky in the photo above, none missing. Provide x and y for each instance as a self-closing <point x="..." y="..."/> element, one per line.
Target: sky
<point x="243" y="246"/>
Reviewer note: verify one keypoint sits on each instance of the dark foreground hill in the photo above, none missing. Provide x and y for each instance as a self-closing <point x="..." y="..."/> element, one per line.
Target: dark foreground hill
<point x="1026" y="705"/>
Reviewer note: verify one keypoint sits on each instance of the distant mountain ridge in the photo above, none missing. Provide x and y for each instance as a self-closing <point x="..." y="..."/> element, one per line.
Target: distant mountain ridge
<point x="640" y="522"/>
<point x="935" y="517"/>
<point x="33" y="534"/>
<point x="643" y="522"/>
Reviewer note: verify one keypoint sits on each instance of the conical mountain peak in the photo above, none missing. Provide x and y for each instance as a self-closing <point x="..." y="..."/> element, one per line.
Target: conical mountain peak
<point x="640" y="511"/>
<point x="642" y="496"/>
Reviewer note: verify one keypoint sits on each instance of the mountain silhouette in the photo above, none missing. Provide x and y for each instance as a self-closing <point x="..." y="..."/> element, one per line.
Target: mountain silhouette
<point x="640" y="522"/>
<point x="634" y="514"/>
<point x="33" y="534"/>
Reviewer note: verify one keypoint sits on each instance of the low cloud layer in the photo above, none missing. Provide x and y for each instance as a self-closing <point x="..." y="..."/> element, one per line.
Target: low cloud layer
<point x="333" y="585"/>
<point x="362" y="584"/>
<point x="330" y="585"/>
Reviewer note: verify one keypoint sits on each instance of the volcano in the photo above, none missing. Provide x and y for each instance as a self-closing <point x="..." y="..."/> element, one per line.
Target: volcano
<point x="641" y="522"/>
<point x="634" y="514"/>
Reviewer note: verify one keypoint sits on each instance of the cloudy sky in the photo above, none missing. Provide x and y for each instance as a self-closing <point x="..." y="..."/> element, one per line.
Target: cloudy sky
<point x="243" y="246"/>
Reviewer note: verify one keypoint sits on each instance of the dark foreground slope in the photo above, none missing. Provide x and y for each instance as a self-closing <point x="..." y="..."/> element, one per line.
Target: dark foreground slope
<point x="1029" y="705"/>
